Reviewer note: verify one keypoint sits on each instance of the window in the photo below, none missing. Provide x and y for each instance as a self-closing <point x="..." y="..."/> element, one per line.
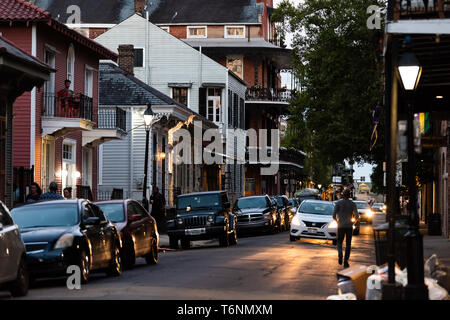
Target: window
<point x="180" y="95"/>
<point x="236" y="65"/>
<point x="138" y="58"/>
<point x="166" y="29"/>
<point x="196" y="32"/>
<point x="71" y="66"/>
<point x="214" y="104"/>
<point x="89" y="82"/>
<point x="67" y="152"/>
<point x="234" y="32"/>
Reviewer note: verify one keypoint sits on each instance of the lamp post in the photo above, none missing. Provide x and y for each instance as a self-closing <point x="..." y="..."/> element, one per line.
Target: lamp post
<point x="410" y="71"/>
<point x="148" y="119"/>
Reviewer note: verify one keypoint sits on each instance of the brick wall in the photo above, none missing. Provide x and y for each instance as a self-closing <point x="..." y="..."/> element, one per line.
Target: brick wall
<point x="178" y="31"/>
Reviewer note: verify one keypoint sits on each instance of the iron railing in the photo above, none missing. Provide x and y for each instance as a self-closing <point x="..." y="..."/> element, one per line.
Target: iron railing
<point x="75" y="105"/>
<point x="112" y="119"/>
<point x="115" y="194"/>
<point x="266" y="94"/>
<point x="84" y="192"/>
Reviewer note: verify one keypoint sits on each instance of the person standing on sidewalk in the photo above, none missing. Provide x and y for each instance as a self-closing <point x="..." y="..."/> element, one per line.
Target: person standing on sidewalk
<point x="344" y="210"/>
<point x="52" y="194"/>
<point x="158" y="203"/>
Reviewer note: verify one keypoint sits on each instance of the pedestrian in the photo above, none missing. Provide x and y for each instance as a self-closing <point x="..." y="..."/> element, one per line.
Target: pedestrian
<point x="344" y="211"/>
<point x="52" y="194"/>
<point x="67" y="193"/>
<point x="35" y="193"/>
<point x="158" y="203"/>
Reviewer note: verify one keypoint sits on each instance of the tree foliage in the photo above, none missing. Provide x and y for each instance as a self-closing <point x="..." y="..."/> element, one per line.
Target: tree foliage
<point x="336" y="59"/>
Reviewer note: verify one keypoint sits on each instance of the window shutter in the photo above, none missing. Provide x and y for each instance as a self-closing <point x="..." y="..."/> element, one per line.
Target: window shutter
<point x="235" y="110"/>
<point x="202" y="102"/>
<point x="242" y="117"/>
<point x="230" y="108"/>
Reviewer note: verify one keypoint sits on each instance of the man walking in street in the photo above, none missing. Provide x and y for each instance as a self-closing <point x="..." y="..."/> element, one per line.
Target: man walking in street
<point x="52" y="194"/>
<point x="344" y="211"/>
<point x="158" y="203"/>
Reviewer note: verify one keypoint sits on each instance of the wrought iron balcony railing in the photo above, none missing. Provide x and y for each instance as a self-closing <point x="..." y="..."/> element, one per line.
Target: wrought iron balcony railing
<point x="72" y="105"/>
<point x="422" y="9"/>
<point x="266" y="94"/>
<point x="112" y="119"/>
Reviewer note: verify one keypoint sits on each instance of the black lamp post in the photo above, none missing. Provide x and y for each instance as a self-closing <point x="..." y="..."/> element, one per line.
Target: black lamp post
<point x="148" y="119"/>
<point x="410" y="71"/>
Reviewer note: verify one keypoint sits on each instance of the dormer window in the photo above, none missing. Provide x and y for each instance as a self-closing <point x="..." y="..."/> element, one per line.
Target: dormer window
<point x="197" y="32"/>
<point x="234" y="31"/>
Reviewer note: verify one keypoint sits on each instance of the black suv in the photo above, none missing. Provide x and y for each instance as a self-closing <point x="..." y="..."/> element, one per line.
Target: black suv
<point x="202" y="216"/>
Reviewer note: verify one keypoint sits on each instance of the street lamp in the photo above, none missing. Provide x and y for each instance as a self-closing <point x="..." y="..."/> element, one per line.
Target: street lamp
<point x="148" y="120"/>
<point x="410" y="71"/>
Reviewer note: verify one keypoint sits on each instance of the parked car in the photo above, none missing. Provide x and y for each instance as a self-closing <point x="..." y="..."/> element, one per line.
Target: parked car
<point x="255" y="213"/>
<point x="364" y="210"/>
<point x="287" y="214"/>
<point x="281" y="221"/>
<point x="379" y="207"/>
<point x="202" y="216"/>
<point x="138" y="230"/>
<point x="13" y="268"/>
<point x="61" y="233"/>
<point x="308" y="194"/>
<point x="295" y="204"/>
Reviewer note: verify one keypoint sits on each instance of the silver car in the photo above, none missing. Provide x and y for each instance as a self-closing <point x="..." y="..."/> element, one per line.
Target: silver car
<point x="13" y="271"/>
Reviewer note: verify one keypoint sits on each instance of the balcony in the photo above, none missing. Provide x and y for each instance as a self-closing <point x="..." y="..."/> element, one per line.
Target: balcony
<point x="416" y="9"/>
<point x="111" y="125"/>
<point x="266" y="94"/>
<point x="65" y="114"/>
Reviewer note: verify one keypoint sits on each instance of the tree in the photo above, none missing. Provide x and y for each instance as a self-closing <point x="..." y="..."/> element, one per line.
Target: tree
<point x="336" y="57"/>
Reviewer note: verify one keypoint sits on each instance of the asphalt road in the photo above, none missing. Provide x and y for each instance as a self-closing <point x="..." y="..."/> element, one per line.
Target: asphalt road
<point x="259" y="267"/>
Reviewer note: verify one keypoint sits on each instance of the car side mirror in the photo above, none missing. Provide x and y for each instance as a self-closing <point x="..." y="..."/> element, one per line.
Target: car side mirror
<point x="92" y="221"/>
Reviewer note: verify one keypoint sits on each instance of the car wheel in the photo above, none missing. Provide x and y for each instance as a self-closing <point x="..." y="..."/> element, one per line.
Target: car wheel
<point x="224" y="239"/>
<point x="173" y="243"/>
<point x="152" y="256"/>
<point x="115" y="268"/>
<point x="85" y="266"/>
<point x="292" y="238"/>
<point x="19" y="287"/>
<point x="185" y="244"/>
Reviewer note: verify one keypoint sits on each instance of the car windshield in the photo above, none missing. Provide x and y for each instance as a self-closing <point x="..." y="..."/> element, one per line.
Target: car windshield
<point x="247" y="203"/>
<point x="280" y="201"/>
<point x="113" y="211"/>
<point x="362" y="205"/>
<point x="317" y="208"/>
<point x="51" y="215"/>
<point x="203" y="201"/>
<point x="377" y="205"/>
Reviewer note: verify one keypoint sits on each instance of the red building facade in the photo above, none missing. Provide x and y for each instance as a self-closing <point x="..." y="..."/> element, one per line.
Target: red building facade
<point x="50" y="133"/>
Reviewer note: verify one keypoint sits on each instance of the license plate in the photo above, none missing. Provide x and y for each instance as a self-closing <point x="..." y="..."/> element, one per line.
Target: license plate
<point x="195" y="232"/>
<point x="312" y="230"/>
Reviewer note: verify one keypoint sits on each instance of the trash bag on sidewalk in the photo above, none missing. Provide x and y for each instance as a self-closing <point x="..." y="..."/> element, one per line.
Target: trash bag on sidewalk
<point x="346" y="296"/>
<point x="346" y="286"/>
<point x="435" y="291"/>
<point x="436" y="270"/>
<point x="374" y="287"/>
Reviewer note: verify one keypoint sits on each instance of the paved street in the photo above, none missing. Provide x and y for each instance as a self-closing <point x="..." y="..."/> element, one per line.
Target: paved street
<point x="259" y="267"/>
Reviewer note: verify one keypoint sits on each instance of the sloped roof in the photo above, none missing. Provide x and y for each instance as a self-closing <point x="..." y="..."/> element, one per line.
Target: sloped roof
<point x="23" y="11"/>
<point x="9" y="48"/>
<point x="116" y="88"/>
<point x="161" y="11"/>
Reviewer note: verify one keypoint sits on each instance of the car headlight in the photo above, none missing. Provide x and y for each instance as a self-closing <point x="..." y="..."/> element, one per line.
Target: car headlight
<point x="332" y="225"/>
<point x="180" y="221"/>
<point x="369" y="213"/>
<point x="296" y="221"/>
<point x="353" y="220"/>
<point x="65" y="241"/>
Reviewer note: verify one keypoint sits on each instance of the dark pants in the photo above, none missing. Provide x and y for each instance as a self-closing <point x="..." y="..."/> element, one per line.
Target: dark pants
<point x="347" y="233"/>
<point x="160" y="221"/>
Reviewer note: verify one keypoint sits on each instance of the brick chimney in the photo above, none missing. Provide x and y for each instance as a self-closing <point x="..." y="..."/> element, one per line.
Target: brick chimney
<point x="126" y="58"/>
<point x="139" y="7"/>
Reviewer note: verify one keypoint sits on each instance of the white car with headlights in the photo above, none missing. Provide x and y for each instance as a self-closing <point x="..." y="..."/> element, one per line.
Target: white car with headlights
<point x="365" y="211"/>
<point x="314" y="219"/>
